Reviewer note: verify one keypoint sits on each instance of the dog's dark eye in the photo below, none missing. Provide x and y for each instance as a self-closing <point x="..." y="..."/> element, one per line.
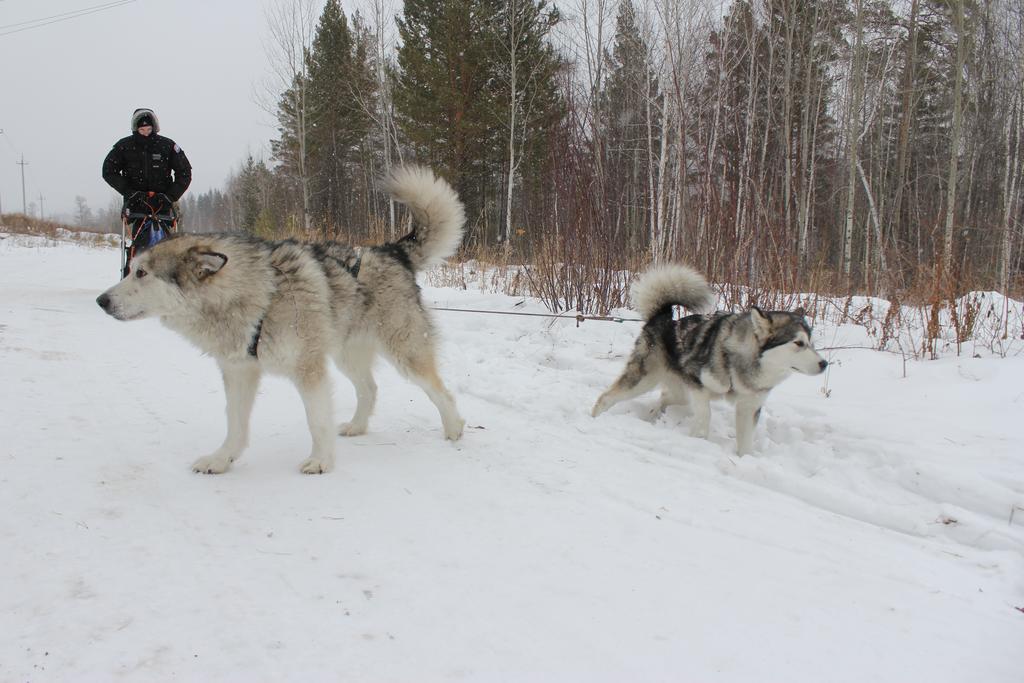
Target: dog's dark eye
<point x="800" y="344"/>
<point x="140" y="273"/>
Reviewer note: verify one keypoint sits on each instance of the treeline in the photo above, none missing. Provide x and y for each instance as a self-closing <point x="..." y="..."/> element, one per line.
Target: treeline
<point x="856" y="145"/>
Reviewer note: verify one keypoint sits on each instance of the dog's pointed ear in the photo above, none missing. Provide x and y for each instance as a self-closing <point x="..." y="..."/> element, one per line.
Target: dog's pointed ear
<point x="800" y="312"/>
<point x="207" y="262"/>
<point x="761" y="320"/>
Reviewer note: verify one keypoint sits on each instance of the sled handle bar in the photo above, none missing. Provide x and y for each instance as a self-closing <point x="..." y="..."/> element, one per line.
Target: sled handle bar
<point x="162" y="217"/>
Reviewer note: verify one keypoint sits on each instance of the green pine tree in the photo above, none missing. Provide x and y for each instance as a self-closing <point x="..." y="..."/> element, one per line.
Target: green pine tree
<point x="630" y="124"/>
<point x="454" y="94"/>
<point x="527" y="104"/>
<point x="444" y="93"/>
<point x="342" y="89"/>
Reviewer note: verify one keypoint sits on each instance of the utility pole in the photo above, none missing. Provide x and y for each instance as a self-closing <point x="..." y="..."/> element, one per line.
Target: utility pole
<point x="1" y="197"/>
<point x="40" y="206"/>
<point x="23" y="164"/>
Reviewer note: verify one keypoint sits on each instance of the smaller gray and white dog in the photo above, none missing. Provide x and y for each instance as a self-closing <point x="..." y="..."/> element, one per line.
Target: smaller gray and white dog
<point x="737" y="356"/>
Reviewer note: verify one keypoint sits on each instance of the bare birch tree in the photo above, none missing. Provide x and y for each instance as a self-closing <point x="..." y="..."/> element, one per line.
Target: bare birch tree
<point x="856" y="90"/>
<point x="1013" y="132"/>
<point x="292" y="25"/>
<point x="957" y="7"/>
<point x="526" y="65"/>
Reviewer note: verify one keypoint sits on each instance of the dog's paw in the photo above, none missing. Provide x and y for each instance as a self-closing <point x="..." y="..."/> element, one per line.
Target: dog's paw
<point x="744" y="448"/>
<point x="351" y="429"/>
<point x="211" y="464"/>
<point x="453" y="431"/>
<point x="315" y="465"/>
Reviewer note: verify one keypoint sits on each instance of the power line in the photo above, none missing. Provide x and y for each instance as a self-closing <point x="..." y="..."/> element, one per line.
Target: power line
<point x="68" y="15"/>
<point x="7" y="137"/>
<point x="578" y="316"/>
<point x="65" y="16"/>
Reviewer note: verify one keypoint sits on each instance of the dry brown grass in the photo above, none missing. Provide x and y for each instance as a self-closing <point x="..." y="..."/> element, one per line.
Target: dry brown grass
<point x="928" y="316"/>
<point x="21" y="224"/>
<point x="925" y="315"/>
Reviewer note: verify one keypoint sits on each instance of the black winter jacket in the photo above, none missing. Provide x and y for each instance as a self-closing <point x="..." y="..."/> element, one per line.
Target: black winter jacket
<point x="140" y="163"/>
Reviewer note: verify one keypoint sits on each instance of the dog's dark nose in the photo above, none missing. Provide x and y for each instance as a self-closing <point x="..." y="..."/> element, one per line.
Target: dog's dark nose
<point x="104" y="302"/>
<point x="821" y="364"/>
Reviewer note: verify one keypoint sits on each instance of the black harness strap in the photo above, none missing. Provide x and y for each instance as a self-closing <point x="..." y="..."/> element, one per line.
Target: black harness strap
<point x="354" y="268"/>
<point x="255" y="341"/>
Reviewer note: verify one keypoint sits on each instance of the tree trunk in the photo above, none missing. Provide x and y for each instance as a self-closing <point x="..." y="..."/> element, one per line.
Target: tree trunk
<point x="954" y="142"/>
<point x="1011" y="179"/>
<point x="906" y="115"/>
<point x="853" y="138"/>
<point x="744" y="174"/>
<point x="787" y="125"/>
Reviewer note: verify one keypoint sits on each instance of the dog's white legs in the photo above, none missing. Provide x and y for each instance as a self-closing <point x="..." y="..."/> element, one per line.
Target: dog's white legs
<point x="700" y="402"/>
<point x="442" y="399"/>
<point x="356" y="362"/>
<point x="673" y="393"/>
<point x="748" y="408"/>
<point x="628" y="386"/>
<point x="409" y="345"/>
<point x="640" y="376"/>
<point x="315" y="390"/>
<point x="421" y="369"/>
<point x="241" y="381"/>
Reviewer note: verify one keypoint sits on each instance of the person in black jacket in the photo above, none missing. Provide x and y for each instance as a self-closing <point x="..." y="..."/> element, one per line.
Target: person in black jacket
<point x="151" y="172"/>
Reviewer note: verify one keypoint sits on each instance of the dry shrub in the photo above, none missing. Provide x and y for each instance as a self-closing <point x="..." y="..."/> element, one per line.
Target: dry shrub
<point x="927" y="315"/>
<point x="933" y="312"/>
<point x="26" y="225"/>
<point x="577" y="275"/>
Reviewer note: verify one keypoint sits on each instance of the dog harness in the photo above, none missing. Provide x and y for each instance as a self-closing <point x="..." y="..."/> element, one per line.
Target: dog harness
<point x="354" y="268"/>
<point x="254" y="343"/>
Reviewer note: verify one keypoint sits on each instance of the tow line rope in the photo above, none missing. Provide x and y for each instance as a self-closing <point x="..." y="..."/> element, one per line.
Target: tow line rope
<point x="578" y="317"/>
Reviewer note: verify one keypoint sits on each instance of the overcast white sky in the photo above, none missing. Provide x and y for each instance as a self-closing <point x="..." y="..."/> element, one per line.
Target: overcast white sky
<point x="67" y="91"/>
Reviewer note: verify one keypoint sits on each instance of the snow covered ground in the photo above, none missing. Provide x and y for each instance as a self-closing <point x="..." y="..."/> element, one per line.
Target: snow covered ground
<point x="877" y="534"/>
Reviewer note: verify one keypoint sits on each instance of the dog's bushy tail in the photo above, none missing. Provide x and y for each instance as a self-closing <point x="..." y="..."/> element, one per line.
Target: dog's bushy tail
<point x="671" y="284"/>
<point x="438" y="215"/>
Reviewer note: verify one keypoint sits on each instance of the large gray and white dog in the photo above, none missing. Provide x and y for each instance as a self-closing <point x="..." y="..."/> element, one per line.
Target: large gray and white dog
<point x="286" y="307"/>
<point x="738" y="356"/>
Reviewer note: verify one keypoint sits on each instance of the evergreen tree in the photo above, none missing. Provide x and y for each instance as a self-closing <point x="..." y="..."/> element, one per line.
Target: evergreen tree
<point x="474" y="77"/>
<point x="341" y="94"/>
<point x="248" y="192"/>
<point x="526" y="99"/>
<point x="290" y="149"/>
<point x="444" y="94"/>
<point x="83" y="214"/>
<point x="630" y="124"/>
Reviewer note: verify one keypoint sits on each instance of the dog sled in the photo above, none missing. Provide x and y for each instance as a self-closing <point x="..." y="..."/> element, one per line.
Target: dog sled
<point x="147" y="218"/>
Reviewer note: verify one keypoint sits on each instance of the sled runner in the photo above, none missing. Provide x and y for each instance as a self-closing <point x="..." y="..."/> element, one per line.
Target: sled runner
<point x="147" y="218"/>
